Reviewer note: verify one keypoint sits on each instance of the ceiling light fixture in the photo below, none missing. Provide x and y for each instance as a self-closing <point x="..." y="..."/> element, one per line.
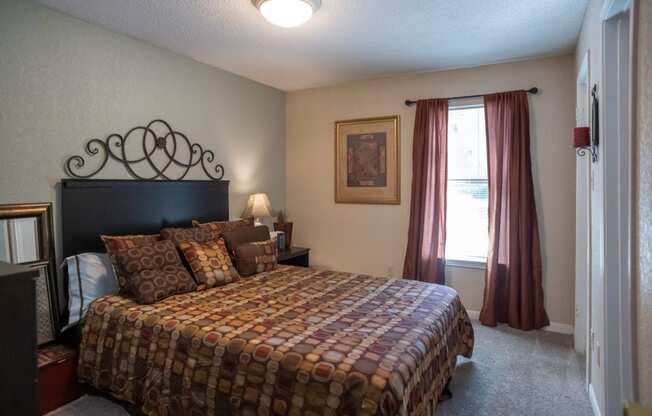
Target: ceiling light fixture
<point x="287" y="13"/>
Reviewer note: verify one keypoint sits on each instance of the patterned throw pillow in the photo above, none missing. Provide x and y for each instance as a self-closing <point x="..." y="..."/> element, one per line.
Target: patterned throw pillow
<point x="256" y="257"/>
<point x="114" y="244"/>
<point x="154" y="271"/>
<point x="210" y="263"/>
<point x="218" y="227"/>
<point x="181" y="235"/>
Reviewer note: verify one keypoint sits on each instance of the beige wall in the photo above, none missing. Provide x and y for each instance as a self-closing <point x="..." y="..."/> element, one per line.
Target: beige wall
<point x="63" y="81"/>
<point x="643" y="286"/>
<point x="372" y="238"/>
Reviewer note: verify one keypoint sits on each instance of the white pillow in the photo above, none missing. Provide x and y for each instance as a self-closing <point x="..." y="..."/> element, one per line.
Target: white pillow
<point x="94" y="275"/>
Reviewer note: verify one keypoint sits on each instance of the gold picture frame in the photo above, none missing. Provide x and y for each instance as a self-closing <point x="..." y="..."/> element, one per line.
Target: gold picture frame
<point x="368" y="161"/>
<point x="27" y="238"/>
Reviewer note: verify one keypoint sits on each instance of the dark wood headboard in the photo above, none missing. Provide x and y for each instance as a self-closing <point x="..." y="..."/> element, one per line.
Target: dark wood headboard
<point x="91" y="207"/>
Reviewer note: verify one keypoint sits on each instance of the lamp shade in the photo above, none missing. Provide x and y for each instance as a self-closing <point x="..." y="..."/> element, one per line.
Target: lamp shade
<point x="581" y="136"/>
<point x="258" y="206"/>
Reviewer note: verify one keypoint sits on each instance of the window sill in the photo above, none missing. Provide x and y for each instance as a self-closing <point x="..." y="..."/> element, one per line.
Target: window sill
<point x="466" y="264"/>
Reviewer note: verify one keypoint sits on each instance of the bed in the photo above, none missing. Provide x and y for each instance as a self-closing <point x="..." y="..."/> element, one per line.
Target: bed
<point x="285" y="342"/>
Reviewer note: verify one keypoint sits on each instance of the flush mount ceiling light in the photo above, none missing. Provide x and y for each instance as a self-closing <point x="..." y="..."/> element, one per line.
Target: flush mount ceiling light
<point x="287" y="13"/>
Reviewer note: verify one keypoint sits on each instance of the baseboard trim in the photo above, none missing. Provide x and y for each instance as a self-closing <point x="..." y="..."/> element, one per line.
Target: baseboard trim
<point x="474" y="314"/>
<point x="594" y="402"/>
<point x="560" y="328"/>
<point x="556" y="327"/>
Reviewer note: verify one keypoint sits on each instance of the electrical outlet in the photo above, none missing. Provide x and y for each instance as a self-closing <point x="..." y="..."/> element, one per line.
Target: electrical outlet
<point x="390" y="271"/>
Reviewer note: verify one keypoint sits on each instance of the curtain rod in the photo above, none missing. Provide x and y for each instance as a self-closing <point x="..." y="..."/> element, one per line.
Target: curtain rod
<point x="532" y="90"/>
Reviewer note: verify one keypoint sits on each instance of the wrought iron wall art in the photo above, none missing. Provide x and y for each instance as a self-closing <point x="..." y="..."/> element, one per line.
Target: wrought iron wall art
<point x="156" y="154"/>
<point x="595" y="127"/>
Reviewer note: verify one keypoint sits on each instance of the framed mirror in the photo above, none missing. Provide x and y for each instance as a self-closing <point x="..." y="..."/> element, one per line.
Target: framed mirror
<point x="26" y="238"/>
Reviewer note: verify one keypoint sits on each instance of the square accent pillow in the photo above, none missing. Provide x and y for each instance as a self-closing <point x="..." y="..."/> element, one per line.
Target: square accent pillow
<point x="256" y="257"/>
<point x="243" y="235"/>
<point x="115" y="243"/>
<point x="210" y="263"/>
<point x="181" y="235"/>
<point x="219" y="227"/>
<point x="154" y="272"/>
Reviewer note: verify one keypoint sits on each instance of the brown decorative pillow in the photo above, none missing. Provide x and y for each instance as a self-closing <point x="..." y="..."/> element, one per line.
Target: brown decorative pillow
<point x="243" y="235"/>
<point x="210" y="263"/>
<point x="154" y="271"/>
<point x="256" y="257"/>
<point x="219" y="227"/>
<point x="181" y="235"/>
<point x="116" y="243"/>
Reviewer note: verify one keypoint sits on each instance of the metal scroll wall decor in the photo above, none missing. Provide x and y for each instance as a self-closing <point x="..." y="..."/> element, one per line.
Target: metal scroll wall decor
<point x="156" y="153"/>
<point x="593" y="147"/>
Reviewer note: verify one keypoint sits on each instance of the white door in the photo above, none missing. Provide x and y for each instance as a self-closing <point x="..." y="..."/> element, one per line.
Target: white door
<point x="616" y="100"/>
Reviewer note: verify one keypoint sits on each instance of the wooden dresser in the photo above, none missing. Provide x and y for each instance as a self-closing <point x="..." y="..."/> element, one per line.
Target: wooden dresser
<point x="18" y="388"/>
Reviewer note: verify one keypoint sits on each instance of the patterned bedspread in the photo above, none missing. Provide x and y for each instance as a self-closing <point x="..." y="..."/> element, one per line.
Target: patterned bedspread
<point x="292" y="341"/>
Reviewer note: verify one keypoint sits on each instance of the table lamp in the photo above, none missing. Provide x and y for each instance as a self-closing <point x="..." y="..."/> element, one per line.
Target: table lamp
<point x="258" y="206"/>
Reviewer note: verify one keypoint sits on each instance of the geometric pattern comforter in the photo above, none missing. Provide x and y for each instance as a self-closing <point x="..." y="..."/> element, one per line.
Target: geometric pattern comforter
<point x="292" y="341"/>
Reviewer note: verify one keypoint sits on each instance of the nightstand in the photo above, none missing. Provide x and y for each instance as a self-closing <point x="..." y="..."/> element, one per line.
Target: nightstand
<point x="295" y="256"/>
<point x="57" y="377"/>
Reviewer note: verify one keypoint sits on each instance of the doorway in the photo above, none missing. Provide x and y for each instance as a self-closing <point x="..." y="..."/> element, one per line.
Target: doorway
<point x="617" y="148"/>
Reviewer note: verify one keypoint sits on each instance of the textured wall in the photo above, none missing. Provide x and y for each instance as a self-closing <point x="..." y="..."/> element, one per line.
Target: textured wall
<point x="64" y="81"/>
<point x="372" y="238"/>
<point x="644" y="135"/>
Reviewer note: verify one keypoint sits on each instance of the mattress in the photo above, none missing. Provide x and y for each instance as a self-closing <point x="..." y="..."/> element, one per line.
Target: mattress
<point x="290" y="341"/>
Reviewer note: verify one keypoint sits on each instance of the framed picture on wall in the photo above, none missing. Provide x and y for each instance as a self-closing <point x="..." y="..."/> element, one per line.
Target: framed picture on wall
<point x="367" y="161"/>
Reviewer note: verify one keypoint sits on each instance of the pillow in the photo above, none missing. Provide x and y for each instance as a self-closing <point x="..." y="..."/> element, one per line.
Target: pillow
<point x="219" y="227"/>
<point x="116" y="243"/>
<point x="90" y="276"/>
<point x="210" y="263"/>
<point x="154" y="272"/>
<point x="245" y="235"/>
<point x="256" y="257"/>
<point x="180" y="235"/>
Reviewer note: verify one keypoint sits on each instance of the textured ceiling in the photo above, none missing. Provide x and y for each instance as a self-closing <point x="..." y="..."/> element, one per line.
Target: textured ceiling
<point x="346" y="40"/>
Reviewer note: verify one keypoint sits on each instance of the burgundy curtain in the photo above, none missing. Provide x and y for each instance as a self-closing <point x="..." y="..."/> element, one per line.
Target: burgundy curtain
<point x="513" y="288"/>
<point x="424" y="259"/>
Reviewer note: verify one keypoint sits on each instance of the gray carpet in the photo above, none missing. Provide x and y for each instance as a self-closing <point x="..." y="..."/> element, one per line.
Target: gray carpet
<point x="90" y="405"/>
<point x="512" y="373"/>
<point x="519" y="373"/>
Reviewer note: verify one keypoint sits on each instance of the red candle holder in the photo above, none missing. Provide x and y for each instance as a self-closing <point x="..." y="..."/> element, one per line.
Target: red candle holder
<point x="581" y="137"/>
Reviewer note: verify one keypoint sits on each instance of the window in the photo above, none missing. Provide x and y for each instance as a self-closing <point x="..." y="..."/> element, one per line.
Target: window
<point x="467" y="199"/>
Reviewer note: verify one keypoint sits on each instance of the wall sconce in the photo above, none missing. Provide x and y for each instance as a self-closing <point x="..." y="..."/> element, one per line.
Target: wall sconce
<point x="585" y="138"/>
<point x="582" y="141"/>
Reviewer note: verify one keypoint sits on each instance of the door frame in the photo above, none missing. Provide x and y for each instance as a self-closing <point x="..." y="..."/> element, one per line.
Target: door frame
<point x="583" y="220"/>
<point x="617" y="104"/>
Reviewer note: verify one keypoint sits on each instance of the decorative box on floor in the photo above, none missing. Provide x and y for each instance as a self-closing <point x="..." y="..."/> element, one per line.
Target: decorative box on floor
<point x="57" y="377"/>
